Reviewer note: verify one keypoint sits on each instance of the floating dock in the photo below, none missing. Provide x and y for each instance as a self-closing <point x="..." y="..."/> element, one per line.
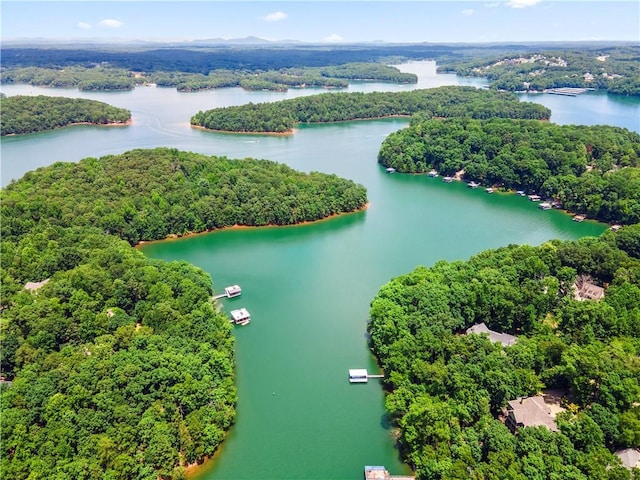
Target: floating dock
<point x="360" y="375"/>
<point x="240" y="316"/>
<point x="545" y="206"/>
<point x="375" y="472"/>
<point x="568" y="91"/>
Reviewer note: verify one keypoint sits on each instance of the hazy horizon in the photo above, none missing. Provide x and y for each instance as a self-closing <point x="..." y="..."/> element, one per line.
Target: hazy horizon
<point x="322" y="22"/>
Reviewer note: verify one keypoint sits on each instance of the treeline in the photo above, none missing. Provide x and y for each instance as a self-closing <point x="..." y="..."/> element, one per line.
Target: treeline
<point x="278" y="117"/>
<point x="120" y="365"/>
<point x="615" y="69"/>
<point x="116" y="365"/>
<point x="110" y="78"/>
<point x="28" y="114"/>
<point x="448" y="389"/>
<point x="149" y="194"/>
<point x="206" y="58"/>
<point x="592" y="170"/>
<point x="100" y="78"/>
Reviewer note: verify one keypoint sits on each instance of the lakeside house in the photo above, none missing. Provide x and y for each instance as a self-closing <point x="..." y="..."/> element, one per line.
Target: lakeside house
<point x="630" y="457"/>
<point x="585" y="290"/>
<point x="530" y="412"/>
<point x="34" y="286"/>
<point x="494" y="337"/>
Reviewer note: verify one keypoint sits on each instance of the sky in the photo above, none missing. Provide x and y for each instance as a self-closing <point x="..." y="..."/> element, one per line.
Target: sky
<point x="324" y="21"/>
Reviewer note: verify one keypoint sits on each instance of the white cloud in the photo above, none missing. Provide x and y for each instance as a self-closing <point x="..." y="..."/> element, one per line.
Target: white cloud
<point x="110" y="23"/>
<point x="83" y="25"/>
<point x="467" y="11"/>
<point x="275" y="17"/>
<point x="491" y="5"/>
<point x="522" y="3"/>
<point x="334" y="38"/>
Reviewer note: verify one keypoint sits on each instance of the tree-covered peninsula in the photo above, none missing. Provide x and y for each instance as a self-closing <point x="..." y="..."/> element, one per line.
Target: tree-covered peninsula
<point x="115" y="365"/>
<point x="149" y="194"/>
<point x="612" y="68"/>
<point x="591" y="170"/>
<point x="283" y="116"/>
<point x="545" y="385"/>
<point x="29" y="114"/>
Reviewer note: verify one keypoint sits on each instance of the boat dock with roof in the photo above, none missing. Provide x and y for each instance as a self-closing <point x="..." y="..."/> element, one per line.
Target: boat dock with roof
<point x="360" y="375"/>
<point x="229" y="292"/>
<point x="376" y="472"/>
<point x="240" y="316"/>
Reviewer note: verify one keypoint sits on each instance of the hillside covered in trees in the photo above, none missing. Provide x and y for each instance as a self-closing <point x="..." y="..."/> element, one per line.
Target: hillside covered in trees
<point x="107" y="78"/>
<point x="448" y="389"/>
<point x="28" y="114"/>
<point x="283" y="116"/>
<point x="115" y="365"/>
<point x="149" y="194"/>
<point x="592" y="170"/>
<point x="615" y="69"/>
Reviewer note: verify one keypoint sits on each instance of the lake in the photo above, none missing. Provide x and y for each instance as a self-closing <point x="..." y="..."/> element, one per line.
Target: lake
<point x="309" y="287"/>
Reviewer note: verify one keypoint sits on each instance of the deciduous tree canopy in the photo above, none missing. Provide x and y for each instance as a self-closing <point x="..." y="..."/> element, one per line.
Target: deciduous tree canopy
<point x="447" y="389"/>
<point x="120" y="366"/>
<point x="28" y="114"/>
<point x="149" y="194"/>
<point x="592" y="170"/>
<point x="277" y="117"/>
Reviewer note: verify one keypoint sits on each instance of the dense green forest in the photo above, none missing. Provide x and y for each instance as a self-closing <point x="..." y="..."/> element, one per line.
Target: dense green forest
<point x="615" y="69"/>
<point x="120" y="366"/>
<point x="592" y="170"/>
<point x="111" y="78"/>
<point x="28" y="114"/>
<point x="447" y="390"/>
<point x="149" y="194"/>
<point x="282" y="116"/>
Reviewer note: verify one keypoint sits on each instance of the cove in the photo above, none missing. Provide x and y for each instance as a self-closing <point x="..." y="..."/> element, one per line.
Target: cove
<point x="308" y="287"/>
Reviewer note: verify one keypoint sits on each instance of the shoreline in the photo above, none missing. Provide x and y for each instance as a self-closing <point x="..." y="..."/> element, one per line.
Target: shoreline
<point x="233" y="132"/>
<point x="294" y="130"/>
<point x="111" y="124"/>
<point x="175" y="236"/>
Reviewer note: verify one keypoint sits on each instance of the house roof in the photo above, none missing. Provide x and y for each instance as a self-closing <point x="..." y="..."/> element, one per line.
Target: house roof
<point x="532" y="412"/>
<point x="630" y="457"/>
<point x="504" y="338"/>
<point x="588" y="291"/>
<point x="33" y="286"/>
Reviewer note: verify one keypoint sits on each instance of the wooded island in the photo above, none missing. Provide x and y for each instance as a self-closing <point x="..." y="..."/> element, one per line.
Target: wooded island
<point x="29" y="114"/>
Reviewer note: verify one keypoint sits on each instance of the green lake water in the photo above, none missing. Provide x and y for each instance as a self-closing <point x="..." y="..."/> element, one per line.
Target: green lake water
<point x="309" y="287"/>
